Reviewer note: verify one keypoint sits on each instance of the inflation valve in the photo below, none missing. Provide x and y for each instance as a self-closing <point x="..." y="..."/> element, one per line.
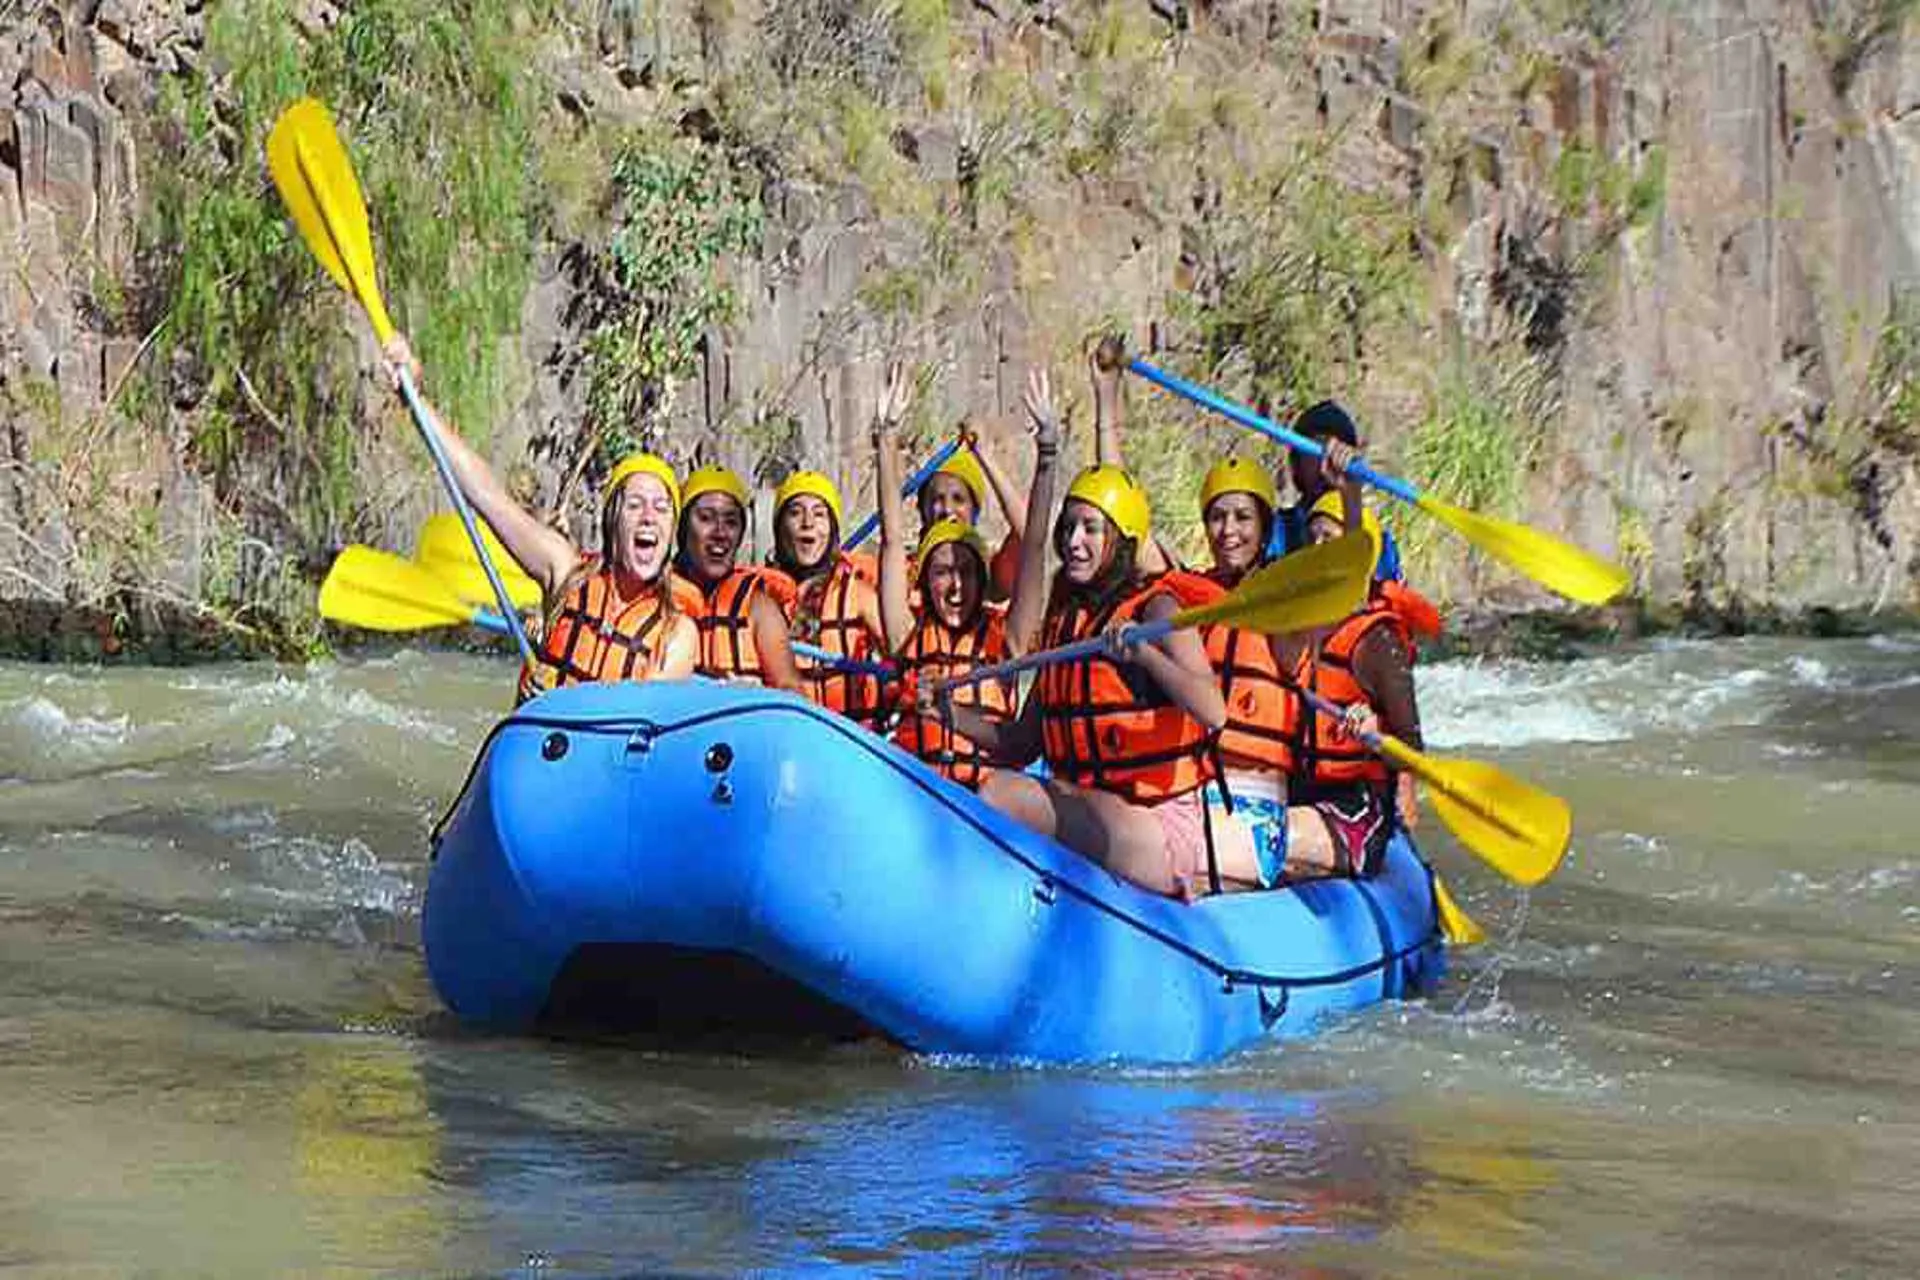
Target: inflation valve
<point x="719" y="760"/>
<point x="554" y="747"/>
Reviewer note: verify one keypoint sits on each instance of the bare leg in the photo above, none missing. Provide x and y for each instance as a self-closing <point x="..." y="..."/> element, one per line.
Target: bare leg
<point x="1124" y="839"/>
<point x="1310" y="851"/>
<point x="1021" y="798"/>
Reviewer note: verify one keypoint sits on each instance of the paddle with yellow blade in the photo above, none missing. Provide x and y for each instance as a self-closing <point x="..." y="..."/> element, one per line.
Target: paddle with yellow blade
<point x="378" y="591"/>
<point x="1517" y="829"/>
<point x="1316" y="587"/>
<point x="1578" y="575"/>
<point x="443" y="550"/>
<point x="316" y="182"/>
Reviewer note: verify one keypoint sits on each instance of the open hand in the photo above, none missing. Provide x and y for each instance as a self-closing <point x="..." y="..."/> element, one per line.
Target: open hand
<point x="1045" y="419"/>
<point x="895" y="400"/>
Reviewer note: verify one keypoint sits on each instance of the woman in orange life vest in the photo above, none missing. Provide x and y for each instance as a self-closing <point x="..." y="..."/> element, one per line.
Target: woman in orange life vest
<point x="833" y="606"/>
<point x="1125" y="733"/>
<point x="958" y="491"/>
<point x="743" y="631"/>
<point x="1260" y="841"/>
<point x="611" y="615"/>
<point x="1365" y="664"/>
<point x="939" y="624"/>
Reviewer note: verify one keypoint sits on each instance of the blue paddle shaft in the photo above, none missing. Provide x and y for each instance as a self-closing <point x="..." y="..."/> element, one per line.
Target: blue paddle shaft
<point x="510" y="619"/>
<point x="1272" y="430"/>
<point x="911" y="486"/>
<point x="1092" y="646"/>
<point x="801" y="649"/>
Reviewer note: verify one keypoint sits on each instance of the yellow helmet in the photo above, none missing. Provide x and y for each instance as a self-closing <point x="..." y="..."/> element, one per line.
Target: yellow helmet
<point x="716" y="480"/>
<point x="1331" y="505"/>
<point x="1118" y="496"/>
<point x="1238" y="475"/>
<point x="965" y="468"/>
<point x="940" y="533"/>
<point x="642" y="464"/>
<point x="802" y="483"/>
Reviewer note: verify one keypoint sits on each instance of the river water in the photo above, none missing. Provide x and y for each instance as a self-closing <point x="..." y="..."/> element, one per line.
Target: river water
<point x="1696" y="1051"/>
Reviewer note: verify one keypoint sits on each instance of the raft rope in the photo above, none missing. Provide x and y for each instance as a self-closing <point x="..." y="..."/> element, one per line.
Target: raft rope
<point x="1229" y="975"/>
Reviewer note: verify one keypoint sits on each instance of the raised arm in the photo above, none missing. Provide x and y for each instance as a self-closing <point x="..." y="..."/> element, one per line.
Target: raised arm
<point x="1029" y="607"/>
<point x="1005" y="495"/>
<point x="1339" y="457"/>
<point x="896" y="587"/>
<point x="542" y="552"/>
<point x="1109" y="362"/>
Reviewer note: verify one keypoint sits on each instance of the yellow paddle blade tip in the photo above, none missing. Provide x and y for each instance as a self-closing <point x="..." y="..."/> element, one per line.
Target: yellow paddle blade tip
<point x="1459" y="928"/>
<point x="379" y="591"/>
<point x="1577" y="574"/>
<point x="1317" y="587"/>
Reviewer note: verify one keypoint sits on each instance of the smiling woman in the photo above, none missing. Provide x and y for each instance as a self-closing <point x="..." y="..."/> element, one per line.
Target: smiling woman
<point x="610" y="615"/>
<point x="832" y="605"/>
<point x="743" y="633"/>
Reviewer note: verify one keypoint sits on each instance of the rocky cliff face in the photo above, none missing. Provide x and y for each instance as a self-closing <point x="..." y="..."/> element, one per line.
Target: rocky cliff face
<point x="1634" y="271"/>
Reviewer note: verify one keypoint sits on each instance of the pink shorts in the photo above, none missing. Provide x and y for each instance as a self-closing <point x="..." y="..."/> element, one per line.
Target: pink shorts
<point x="1183" y="825"/>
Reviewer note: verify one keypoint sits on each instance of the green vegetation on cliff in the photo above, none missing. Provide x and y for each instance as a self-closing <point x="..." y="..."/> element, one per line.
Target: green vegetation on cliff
<point x="698" y="226"/>
<point x="254" y="347"/>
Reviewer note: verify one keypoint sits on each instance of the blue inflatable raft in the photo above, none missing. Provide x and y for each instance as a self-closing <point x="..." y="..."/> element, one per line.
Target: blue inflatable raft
<point x="697" y="858"/>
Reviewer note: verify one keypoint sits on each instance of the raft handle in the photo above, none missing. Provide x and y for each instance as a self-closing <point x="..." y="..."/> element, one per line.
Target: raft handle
<point x="640" y="741"/>
<point x="1046" y="892"/>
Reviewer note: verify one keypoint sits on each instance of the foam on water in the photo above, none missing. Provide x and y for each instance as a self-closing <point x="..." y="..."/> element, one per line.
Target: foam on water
<point x="53" y="727"/>
<point x="1615" y="698"/>
<point x="313" y="872"/>
<point x="1507" y="704"/>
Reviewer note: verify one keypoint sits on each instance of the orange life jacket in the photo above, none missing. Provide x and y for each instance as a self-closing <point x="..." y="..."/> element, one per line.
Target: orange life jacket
<point x="593" y="636"/>
<point x="1327" y="757"/>
<point x="1109" y="726"/>
<point x="933" y="652"/>
<point x="830" y="610"/>
<point x="1263" y="711"/>
<point x="725" y="619"/>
